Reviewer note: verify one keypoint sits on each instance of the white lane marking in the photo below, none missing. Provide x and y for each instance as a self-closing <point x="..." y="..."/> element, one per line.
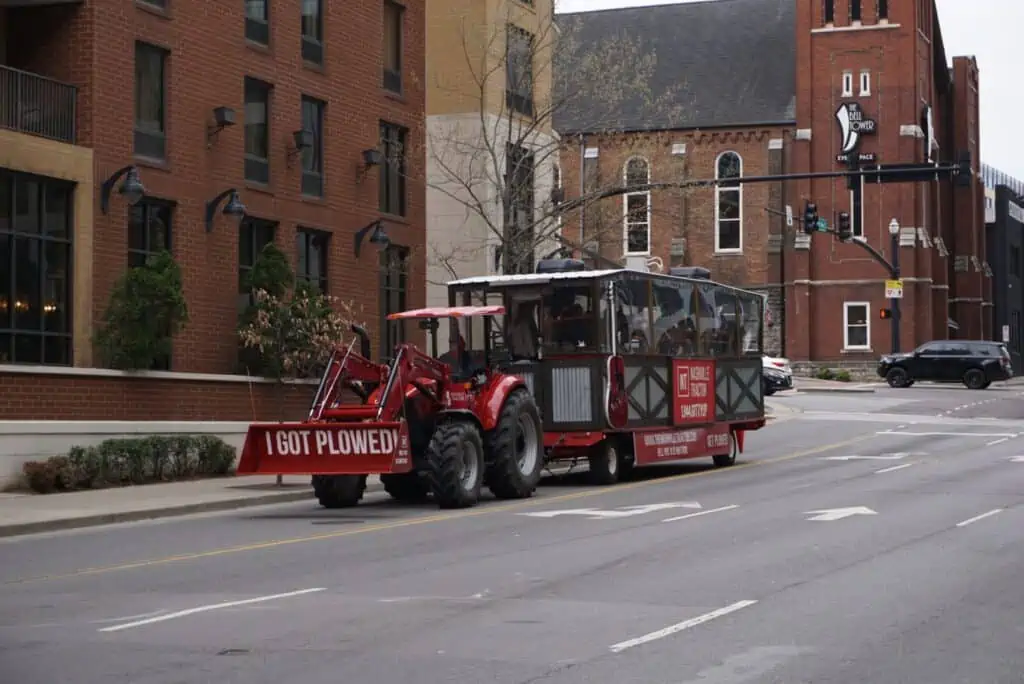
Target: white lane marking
<point x="213" y="606"/>
<point x="694" y="515"/>
<point x="833" y="514"/>
<point x="893" y="468"/>
<point x="128" y="617"/>
<point x="976" y="518"/>
<point x="679" y="626"/>
<point x="948" y="434"/>
<point x="996" y="441"/>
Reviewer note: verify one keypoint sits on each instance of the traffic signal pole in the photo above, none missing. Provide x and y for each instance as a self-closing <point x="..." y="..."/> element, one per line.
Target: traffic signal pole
<point x="894" y="302"/>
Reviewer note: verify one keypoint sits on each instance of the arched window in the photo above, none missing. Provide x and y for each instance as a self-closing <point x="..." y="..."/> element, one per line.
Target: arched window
<point x="728" y="204"/>
<point x="636" y="208"/>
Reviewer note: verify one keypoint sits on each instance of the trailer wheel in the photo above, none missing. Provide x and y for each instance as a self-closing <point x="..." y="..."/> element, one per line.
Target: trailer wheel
<point x="455" y="468"/>
<point x="605" y="463"/>
<point x="516" y="449"/>
<point x="406" y="487"/>
<point x="725" y="460"/>
<point x="339" y="491"/>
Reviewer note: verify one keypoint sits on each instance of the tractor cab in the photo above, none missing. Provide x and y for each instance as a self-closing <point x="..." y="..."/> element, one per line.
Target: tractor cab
<point x="462" y="340"/>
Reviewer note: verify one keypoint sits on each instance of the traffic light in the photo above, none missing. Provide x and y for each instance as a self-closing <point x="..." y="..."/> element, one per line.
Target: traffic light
<point x="843" y="227"/>
<point x="885" y="314"/>
<point x="810" y="218"/>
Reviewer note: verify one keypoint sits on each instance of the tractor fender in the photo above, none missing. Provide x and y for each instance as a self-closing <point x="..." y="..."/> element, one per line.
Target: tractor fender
<point x="491" y="400"/>
<point x="464" y="415"/>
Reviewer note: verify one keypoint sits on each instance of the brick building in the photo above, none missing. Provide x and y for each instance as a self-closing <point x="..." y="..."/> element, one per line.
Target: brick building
<point x="758" y="85"/>
<point x="277" y="101"/>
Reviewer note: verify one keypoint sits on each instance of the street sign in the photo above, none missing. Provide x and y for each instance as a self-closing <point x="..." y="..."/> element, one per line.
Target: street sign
<point x="1006" y="334"/>
<point x="894" y="289"/>
<point x="789" y="215"/>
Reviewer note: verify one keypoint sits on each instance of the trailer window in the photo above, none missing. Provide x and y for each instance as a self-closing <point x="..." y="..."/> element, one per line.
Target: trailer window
<point x="675" y="325"/>
<point x="633" y="316"/>
<point x="751" y="317"/>
<point x="569" y="319"/>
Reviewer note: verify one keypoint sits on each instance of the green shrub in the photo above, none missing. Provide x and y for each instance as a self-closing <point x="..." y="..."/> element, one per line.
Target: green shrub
<point x="824" y="374"/>
<point x="843" y="375"/>
<point x="119" y="462"/>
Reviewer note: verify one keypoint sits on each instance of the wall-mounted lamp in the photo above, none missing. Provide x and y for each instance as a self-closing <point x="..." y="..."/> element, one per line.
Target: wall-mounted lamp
<point x="301" y="140"/>
<point x="372" y="157"/>
<point x="234" y="208"/>
<point x="131" y="189"/>
<point x="222" y="118"/>
<point x="378" y="237"/>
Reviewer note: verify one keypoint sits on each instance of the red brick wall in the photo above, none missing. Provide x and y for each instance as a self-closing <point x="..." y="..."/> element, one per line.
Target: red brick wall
<point x="688" y="214"/>
<point x="902" y="65"/>
<point x="92" y="46"/>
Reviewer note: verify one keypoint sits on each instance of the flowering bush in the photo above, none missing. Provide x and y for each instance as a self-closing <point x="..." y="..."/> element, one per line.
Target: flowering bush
<point x="294" y="338"/>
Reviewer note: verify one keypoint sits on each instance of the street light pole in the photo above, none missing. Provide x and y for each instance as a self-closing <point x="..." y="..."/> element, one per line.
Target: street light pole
<point x="894" y="303"/>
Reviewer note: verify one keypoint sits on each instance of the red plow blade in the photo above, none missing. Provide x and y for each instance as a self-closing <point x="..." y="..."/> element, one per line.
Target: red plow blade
<point x="325" y="449"/>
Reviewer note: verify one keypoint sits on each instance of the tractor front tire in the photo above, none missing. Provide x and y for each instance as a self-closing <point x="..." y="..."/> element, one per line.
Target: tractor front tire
<point x="455" y="468"/>
<point x="339" y="491"/>
<point x="406" y="487"/>
<point x="516" y="449"/>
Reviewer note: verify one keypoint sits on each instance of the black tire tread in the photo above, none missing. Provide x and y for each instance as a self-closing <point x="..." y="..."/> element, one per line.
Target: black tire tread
<point x="503" y="476"/>
<point x="339" y="491"/>
<point x="598" y="464"/>
<point x="444" y="465"/>
<point x="407" y="487"/>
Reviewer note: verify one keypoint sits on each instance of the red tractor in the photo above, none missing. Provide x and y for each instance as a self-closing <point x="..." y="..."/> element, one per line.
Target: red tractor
<point x="441" y="427"/>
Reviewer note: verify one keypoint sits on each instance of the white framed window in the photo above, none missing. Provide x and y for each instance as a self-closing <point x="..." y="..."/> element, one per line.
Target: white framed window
<point x="847" y="84"/>
<point x="636" y="209"/>
<point x="856" y="326"/>
<point x="865" y="83"/>
<point x="728" y="204"/>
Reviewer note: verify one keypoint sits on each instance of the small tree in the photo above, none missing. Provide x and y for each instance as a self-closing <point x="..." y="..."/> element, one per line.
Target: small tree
<point x="501" y="167"/>
<point x="146" y="309"/>
<point x="293" y="337"/>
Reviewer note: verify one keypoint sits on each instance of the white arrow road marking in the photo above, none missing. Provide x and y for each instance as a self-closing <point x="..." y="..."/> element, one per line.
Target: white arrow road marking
<point x="831" y="514"/>
<point x="207" y="608"/>
<point x="679" y="626"/>
<point x="976" y="518"/>
<point x="620" y="512"/>
<point x="893" y="469"/>
<point x="694" y="515"/>
<point x="1017" y="459"/>
<point x="996" y="441"/>
<point x="883" y="457"/>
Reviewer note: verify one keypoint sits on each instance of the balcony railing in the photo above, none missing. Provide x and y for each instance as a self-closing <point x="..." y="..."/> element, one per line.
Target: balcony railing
<point x="34" y="104"/>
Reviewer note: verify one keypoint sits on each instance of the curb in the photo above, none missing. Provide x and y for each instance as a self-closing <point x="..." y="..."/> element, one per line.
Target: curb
<point x="21" y="529"/>
<point x="836" y="390"/>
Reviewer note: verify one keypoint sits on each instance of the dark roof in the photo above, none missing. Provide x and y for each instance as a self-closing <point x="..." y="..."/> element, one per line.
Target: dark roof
<point x="730" y="63"/>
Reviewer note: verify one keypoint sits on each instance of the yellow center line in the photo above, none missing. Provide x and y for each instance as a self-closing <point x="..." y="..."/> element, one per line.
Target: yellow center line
<point x="423" y="520"/>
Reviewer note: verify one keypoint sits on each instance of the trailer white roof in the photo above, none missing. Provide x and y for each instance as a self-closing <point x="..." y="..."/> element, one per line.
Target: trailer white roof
<point x="539" y="278"/>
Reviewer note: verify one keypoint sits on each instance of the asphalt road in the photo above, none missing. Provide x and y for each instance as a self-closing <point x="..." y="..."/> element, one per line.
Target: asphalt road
<point x="875" y="546"/>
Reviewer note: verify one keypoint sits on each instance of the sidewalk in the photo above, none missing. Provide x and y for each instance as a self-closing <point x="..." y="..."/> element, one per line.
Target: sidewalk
<point x="31" y="513"/>
<point x="814" y="385"/>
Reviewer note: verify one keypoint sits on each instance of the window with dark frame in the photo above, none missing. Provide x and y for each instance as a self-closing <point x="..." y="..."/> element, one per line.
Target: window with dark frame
<point x="393" y="140"/>
<point x="729" y="204"/>
<point x="830" y="11"/>
<point x="150" y="138"/>
<point x="313" y="31"/>
<point x="311" y="248"/>
<point x="393" y="20"/>
<point x="883" y="9"/>
<point x="519" y="70"/>
<point x="257" y="131"/>
<point x="253" y="235"/>
<point x="313" y="156"/>
<point x="519" y="216"/>
<point x="257" y="21"/>
<point x="149" y="230"/>
<point x="855" y="10"/>
<point x="36" y="217"/>
<point x="394" y="290"/>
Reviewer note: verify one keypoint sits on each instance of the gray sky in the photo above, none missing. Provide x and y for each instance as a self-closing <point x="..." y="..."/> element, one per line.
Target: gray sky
<point x="988" y="29"/>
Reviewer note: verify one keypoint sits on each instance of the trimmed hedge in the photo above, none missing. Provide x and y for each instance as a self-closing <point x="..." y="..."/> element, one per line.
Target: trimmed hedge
<point x="133" y="461"/>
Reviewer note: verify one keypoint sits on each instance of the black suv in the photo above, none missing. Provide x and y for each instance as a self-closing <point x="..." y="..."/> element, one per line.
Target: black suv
<point x="977" y="364"/>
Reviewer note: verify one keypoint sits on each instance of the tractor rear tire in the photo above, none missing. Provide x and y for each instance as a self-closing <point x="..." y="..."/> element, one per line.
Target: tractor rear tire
<point x="339" y="491"/>
<point x="516" y="449"/>
<point x="455" y="468"/>
<point x="406" y="487"/>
